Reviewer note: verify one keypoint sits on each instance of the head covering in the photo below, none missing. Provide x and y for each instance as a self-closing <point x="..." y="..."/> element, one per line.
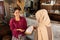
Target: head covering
<point x="42" y="17"/>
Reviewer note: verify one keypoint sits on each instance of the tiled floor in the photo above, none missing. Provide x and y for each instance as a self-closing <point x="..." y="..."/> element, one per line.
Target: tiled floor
<point x="56" y="31"/>
<point x="55" y="28"/>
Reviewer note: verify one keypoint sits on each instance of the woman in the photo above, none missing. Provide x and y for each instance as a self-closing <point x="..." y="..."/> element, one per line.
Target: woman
<point x="44" y="25"/>
<point x="18" y="25"/>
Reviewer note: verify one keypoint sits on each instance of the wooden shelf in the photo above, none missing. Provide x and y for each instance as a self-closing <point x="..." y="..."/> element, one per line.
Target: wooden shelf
<point x="47" y="7"/>
<point x="51" y="10"/>
<point x="54" y="16"/>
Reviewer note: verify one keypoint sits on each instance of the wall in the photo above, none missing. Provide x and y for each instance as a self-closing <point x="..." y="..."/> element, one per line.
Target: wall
<point x="8" y="12"/>
<point x="1" y="0"/>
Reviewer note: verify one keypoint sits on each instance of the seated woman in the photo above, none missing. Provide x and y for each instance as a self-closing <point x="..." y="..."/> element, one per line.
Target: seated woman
<point x="44" y="26"/>
<point x="18" y="25"/>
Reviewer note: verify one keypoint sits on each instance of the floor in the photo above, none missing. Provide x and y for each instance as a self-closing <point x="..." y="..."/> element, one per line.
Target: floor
<point x="56" y="30"/>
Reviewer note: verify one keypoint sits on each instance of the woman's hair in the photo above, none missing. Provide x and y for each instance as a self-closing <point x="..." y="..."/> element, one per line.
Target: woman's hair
<point x="17" y="8"/>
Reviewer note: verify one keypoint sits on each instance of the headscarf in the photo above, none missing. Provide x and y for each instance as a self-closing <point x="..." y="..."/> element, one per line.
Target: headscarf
<point x="43" y="17"/>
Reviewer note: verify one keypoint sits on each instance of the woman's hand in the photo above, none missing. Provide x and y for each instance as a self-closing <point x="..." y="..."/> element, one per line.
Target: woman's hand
<point x="35" y="27"/>
<point x="20" y="30"/>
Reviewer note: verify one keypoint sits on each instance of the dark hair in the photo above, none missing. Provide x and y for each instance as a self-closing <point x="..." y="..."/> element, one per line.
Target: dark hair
<point x="17" y="8"/>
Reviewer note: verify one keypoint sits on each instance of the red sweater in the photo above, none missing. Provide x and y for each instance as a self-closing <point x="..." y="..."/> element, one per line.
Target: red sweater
<point x="22" y="24"/>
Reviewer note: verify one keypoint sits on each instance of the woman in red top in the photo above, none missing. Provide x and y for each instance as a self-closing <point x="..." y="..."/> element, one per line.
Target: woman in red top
<point x="18" y="25"/>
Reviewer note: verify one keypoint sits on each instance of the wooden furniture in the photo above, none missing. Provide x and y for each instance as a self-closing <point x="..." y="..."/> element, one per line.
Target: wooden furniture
<point x="55" y="17"/>
<point x="47" y="7"/>
<point x="4" y="28"/>
<point x="56" y="6"/>
<point x="53" y="9"/>
<point x="4" y="31"/>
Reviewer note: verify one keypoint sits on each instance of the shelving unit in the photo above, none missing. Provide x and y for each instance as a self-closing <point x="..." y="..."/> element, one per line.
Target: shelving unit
<point x="53" y="9"/>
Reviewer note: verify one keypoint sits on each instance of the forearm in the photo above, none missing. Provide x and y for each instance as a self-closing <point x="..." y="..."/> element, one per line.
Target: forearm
<point x="21" y="30"/>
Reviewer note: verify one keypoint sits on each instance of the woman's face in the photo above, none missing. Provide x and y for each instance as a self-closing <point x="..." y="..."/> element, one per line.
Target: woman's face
<point x="17" y="13"/>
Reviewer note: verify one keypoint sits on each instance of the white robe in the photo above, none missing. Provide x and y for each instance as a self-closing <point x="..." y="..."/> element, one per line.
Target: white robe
<point x="43" y="23"/>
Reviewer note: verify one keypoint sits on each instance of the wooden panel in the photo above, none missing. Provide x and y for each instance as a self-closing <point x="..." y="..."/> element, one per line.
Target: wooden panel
<point x="55" y="17"/>
<point x="47" y="7"/>
<point x="43" y="1"/>
<point x="58" y="1"/>
<point x="56" y="7"/>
